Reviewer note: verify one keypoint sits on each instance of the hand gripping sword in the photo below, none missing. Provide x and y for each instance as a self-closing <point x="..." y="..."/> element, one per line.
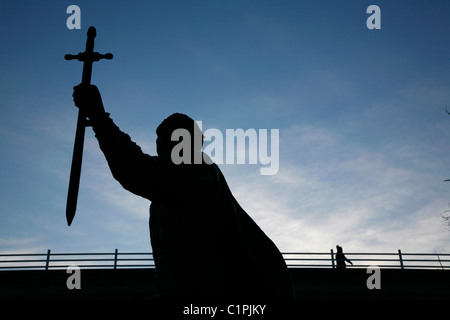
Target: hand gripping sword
<point x="88" y="57"/>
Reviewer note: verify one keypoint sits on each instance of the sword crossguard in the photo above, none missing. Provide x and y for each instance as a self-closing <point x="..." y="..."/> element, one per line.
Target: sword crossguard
<point x="88" y="56"/>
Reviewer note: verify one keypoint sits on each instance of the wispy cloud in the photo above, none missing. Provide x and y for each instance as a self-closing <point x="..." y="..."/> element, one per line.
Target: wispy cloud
<point x="330" y="192"/>
<point x="22" y="245"/>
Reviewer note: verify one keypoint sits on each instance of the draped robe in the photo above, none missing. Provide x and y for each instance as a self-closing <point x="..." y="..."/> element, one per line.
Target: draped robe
<point x="204" y="244"/>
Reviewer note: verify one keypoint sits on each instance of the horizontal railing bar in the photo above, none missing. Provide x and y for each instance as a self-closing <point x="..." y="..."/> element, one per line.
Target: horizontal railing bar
<point x="359" y="266"/>
<point x="22" y="254"/>
<point x="426" y="254"/>
<point x="369" y="253"/>
<point x="308" y="253"/>
<point x="392" y="260"/>
<point x="83" y="254"/>
<point x="98" y="254"/>
<point x="309" y="265"/>
<point x="22" y="267"/>
<point x="63" y="260"/>
<point x="140" y="259"/>
<point x="426" y="260"/>
<point x="85" y="266"/>
<point x="54" y="254"/>
<point x="15" y="261"/>
<point x="135" y="253"/>
<point x="102" y="266"/>
<point x="377" y="259"/>
<point x="136" y="265"/>
<point x="346" y="253"/>
<point x="305" y="259"/>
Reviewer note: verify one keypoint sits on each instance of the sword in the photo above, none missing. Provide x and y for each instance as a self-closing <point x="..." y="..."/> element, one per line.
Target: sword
<point x="88" y="57"/>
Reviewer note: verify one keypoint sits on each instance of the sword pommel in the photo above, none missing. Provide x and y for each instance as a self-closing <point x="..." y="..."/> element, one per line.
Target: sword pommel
<point x="92" y="33"/>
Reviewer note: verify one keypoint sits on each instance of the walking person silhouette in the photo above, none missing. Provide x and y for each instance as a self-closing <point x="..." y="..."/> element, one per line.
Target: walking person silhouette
<point x="341" y="258"/>
<point x="204" y="244"/>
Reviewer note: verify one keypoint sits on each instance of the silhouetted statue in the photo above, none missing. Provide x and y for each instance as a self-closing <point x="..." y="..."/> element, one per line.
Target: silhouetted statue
<point x="341" y="258"/>
<point x="204" y="244"/>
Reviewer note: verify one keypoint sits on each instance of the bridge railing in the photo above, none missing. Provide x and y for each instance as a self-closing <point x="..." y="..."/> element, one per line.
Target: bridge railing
<point x="116" y="259"/>
<point x="393" y="260"/>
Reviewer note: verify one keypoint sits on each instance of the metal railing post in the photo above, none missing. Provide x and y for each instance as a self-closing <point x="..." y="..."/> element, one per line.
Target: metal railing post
<point x="47" y="262"/>
<point x="115" y="258"/>
<point x="332" y="259"/>
<point x="401" y="259"/>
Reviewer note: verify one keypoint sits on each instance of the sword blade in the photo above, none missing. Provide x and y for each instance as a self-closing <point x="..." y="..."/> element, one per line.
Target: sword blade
<point x="75" y="170"/>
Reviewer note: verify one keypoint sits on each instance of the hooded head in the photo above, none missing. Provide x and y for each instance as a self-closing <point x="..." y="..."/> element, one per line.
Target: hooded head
<point x="164" y="143"/>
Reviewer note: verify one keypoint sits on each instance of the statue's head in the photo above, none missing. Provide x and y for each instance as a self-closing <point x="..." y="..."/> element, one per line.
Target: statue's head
<point x="164" y="143"/>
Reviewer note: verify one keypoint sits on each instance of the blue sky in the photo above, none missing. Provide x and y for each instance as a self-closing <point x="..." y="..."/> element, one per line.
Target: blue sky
<point x="361" y="113"/>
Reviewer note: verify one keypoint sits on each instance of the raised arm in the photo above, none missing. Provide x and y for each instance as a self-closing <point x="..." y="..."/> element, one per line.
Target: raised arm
<point x="136" y="171"/>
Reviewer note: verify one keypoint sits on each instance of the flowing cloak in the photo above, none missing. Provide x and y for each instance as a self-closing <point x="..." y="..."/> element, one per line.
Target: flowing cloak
<point x="204" y="244"/>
